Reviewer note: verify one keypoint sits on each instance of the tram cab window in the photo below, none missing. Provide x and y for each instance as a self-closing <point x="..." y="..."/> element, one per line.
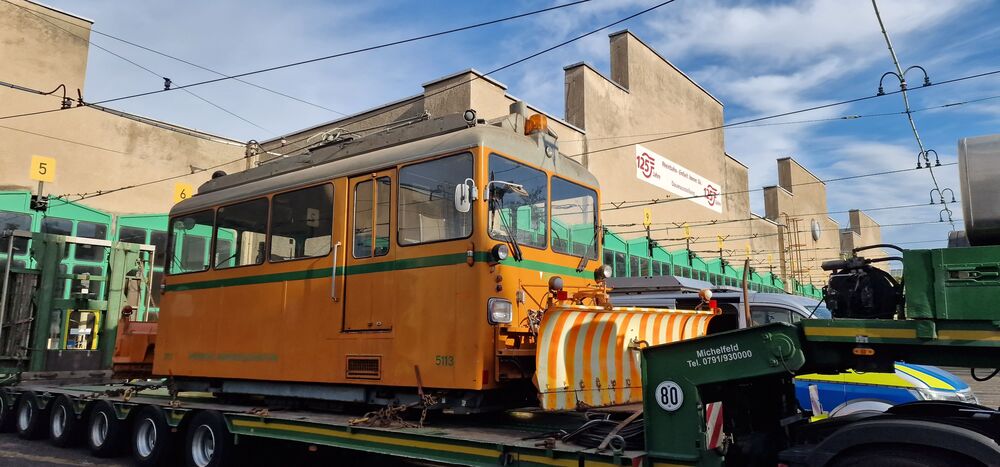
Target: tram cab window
<point x="15" y="221"/>
<point x="371" y="233"/>
<point x="301" y="223"/>
<point x="244" y="225"/>
<point x="427" y="201"/>
<point x="574" y="209"/>
<point x="523" y="216"/>
<point x="189" y="234"/>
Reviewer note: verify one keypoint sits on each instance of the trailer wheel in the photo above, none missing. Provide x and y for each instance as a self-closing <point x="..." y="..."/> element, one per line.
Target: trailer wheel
<point x="901" y="456"/>
<point x="152" y="438"/>
<point x="6" y="413"/>
<point x="64" y="425"/>
<point x="208" y="442"/>
<point x="105" y="433"/>
<point x="31" y="417"/>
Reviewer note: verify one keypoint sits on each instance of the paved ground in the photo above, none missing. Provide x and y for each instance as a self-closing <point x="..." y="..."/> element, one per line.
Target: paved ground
<point x="988" y="392"/>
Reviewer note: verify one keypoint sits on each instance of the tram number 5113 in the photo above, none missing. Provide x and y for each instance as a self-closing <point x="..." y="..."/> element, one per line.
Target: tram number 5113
<point x="444" y="360"/>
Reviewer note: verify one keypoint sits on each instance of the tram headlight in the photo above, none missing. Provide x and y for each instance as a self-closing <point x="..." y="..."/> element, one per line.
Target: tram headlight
<point x="500" y="252"/>
<point x="602" y="273"/>
<point x="499" y="311"/>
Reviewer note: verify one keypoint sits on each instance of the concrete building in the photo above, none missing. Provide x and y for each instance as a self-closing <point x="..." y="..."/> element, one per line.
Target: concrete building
<point x="624" y="127"/>
<point x="95" y="148"/>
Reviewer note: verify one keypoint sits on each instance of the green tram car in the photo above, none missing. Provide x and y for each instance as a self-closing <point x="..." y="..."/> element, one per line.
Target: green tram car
<point x="628" y="258"/>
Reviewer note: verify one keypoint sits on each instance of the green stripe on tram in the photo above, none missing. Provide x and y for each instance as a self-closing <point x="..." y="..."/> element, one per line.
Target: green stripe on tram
<point x="384" y="266"/>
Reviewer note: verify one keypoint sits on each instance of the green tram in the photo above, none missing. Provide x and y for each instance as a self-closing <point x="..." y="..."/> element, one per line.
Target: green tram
<point x="628" y="258"/>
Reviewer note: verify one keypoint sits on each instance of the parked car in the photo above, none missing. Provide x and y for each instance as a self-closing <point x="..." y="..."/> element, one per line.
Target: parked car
<point x="839" y="394"/>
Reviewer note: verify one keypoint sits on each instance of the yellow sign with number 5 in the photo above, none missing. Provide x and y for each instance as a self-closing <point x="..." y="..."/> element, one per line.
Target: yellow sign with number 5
<point x="43" y="169"/>
<point x="182" y="191"/>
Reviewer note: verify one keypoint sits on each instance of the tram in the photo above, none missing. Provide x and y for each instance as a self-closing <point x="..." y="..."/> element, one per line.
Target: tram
<point x="369" y="269"/>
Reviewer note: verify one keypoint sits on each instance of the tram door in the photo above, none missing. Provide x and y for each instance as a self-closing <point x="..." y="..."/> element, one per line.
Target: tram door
<point x="369" y="290"/>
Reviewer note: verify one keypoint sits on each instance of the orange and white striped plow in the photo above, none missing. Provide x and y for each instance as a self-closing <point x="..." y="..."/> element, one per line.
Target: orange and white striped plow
<point x="587" y="356"/>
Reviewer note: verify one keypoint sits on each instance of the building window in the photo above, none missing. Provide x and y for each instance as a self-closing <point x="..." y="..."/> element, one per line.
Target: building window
<point x="77" y="284"/>
<point x="245" y="226"/>
<point x="189" y="236"/>
<point x="644" y="267"/>
<point x="371" y="217"/>
<point x="574" y="211"/>
<point x="15" y="221"/>
<point x="302" y="223"/>
<point x="609" y="258"/>
<point x="90" y="230"/>
<point x="57" y="226"/>
<point x="158" y="238"/>
<point x="621" y="267"/>
<point x="519" y="204"/>
<point x="132" y="235"/>
<point x="427" y="201"/>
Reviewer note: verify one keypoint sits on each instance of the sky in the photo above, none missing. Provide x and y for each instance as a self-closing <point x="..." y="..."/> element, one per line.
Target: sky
<point x="758" y="57"/>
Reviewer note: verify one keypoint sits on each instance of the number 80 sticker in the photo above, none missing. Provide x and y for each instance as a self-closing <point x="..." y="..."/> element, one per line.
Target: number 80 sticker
<point x="669" y="396"/>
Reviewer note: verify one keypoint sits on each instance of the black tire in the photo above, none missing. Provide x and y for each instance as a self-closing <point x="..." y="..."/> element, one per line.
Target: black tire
<point x="208" y="442"/>
<point x="31" y="420"/>
<point x="105" y="433"/>
<point x="6" y="412"/>
<point x="64" y="424"/>
<point x="152" y="439"/>
<point x="901" y="456"/>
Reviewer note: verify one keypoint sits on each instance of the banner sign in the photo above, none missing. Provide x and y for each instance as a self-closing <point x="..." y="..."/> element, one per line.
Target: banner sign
<point x="665" y="174"/>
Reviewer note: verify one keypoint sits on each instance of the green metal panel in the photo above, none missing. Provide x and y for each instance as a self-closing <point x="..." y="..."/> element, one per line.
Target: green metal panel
<point x="952" y="283"/>
<point x="675" y="426"/>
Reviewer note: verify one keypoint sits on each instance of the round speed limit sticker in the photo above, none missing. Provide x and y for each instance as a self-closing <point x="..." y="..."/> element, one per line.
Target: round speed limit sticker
<point x="669" y="396"/>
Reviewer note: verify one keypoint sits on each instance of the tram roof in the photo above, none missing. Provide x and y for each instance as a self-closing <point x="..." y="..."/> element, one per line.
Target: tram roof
<point x="450" y="134"/>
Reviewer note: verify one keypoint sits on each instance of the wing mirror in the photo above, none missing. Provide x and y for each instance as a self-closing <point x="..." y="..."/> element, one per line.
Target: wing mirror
<point x="465" y="195"/>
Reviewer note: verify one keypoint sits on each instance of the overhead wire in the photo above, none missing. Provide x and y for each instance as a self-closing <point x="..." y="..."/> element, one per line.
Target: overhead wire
<point x="617" y="205"/>
<point x="909" y="114"/>
<point x="134" y="63"/>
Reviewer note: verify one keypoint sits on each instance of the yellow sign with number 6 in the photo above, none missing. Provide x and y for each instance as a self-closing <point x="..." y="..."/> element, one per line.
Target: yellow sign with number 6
<point x="43" y="169"/>
<point x="182" y="191"/>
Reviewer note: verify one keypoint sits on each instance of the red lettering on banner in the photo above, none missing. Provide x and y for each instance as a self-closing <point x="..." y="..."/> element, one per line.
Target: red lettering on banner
<point x="646" y="164"/>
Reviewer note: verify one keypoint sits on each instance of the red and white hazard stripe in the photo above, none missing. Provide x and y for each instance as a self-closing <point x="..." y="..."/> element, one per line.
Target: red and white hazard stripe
<point x="713" y="425"/>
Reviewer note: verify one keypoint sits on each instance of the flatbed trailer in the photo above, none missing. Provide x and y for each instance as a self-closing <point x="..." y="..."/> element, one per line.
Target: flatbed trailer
<point x="523" y="439"/>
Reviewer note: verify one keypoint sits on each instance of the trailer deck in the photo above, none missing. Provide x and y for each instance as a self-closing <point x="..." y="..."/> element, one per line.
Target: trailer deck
<point x="512" y="438"/>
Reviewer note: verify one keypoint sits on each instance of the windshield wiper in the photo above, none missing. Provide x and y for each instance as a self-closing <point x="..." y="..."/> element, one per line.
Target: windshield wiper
<point x="515" y="248"/>
<point x="586" y="254"/>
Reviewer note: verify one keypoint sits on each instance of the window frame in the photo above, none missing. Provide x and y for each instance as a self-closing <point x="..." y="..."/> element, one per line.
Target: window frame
<point x="236" y="241"/>
<point x="548" y="203"/>
<point x="168" y="260"/>
<point x="472" y="227"/>
<point x="598" y="245"/>
<point x="333" y="219"/>
<point x="385" y="173"/>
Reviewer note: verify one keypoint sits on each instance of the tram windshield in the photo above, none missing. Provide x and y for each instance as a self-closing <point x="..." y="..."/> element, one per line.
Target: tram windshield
<point x="518" y="197"/>
<point x="574" y="219"/>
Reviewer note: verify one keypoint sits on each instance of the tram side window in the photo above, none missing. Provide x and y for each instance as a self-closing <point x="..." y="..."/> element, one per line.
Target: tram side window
<point x="245" y="226"/>
<point x="189" y="236"/>
<point x="301" y="223"/>
<point x="90" y="230"/>
<point x="426" y="202"/>
<point x="372" y="197"/>
<point x="15" y="221"/>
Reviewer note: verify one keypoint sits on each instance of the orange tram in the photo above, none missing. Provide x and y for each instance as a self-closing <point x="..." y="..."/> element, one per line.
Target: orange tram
<point x="452" y="255"/>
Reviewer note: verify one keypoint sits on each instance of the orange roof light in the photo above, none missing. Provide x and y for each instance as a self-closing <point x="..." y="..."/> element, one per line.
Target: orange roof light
<point x="536" y="122"/>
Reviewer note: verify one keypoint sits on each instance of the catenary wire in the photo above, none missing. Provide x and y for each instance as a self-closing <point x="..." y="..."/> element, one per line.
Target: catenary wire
<point x="137" y="65"/>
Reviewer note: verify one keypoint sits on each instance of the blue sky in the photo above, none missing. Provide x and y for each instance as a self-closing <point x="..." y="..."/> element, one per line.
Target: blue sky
<point x="759" y="58"/>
